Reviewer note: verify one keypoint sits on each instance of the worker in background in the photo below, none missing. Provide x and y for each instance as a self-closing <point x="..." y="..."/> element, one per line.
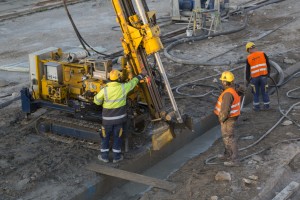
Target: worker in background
<point x="114" y="114"/>
<point x="257" y="72"/>
<point x="210" y="4"/>
<point x="228" y="109"/>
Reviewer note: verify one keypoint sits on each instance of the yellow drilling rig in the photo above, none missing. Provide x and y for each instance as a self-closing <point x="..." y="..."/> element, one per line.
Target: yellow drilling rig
<point x="68" y="82"/>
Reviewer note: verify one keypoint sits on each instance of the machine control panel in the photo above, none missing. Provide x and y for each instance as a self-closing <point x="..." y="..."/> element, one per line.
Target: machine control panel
<point x="54" y="71"/>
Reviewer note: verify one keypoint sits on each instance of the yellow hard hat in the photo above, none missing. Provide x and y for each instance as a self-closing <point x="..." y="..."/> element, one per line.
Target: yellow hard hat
<point x="227" y="76"/>
<point x="114" y="75"/>
<point x="249" y="45"/>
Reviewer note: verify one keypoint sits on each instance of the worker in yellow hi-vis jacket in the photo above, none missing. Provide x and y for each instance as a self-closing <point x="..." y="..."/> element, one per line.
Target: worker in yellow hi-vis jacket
<point x="114" y="116"/>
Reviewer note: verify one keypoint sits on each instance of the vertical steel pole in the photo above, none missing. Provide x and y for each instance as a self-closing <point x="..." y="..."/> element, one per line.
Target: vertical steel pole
<point x="143" y="16"/>
<point x="168" y="87"/>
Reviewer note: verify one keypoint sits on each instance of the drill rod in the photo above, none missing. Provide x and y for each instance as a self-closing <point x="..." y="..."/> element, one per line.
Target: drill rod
<point x="143" y="16"/>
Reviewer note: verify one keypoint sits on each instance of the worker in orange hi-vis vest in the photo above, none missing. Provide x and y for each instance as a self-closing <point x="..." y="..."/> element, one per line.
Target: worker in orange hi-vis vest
<point x="228" y="109"/>
<point x="257" y="72"/>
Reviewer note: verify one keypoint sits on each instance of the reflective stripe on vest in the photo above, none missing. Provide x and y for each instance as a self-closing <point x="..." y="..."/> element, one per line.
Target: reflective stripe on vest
<point x="114" y="118"/>
<point x="114" y="95"/>
<point x="235" y="108"/>
<point x="258" y="64"/>
<point x="99" y="101"/>
<point x="114" y="105"/>
<point x="123" y="98"/>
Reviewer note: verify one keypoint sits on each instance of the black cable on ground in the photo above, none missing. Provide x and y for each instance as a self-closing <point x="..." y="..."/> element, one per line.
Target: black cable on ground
<point x="7" y="103"/>
<point x="208" y="161"/>
<point x="263" y="4"/>
<point x="288" y="94"/>
<point x="198" y="38"/>
<point x="199" y="95"/>
<point x="178" y="87"/>
<point x="296" y="75"/>
<point x="242" y="8"/>
<point x="80" y="38"/>
<point x="200" y="79"/>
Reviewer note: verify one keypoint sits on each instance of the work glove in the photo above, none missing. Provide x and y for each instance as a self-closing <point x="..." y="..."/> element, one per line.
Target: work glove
<point x="239" y="89"/>
<point x="142" y="74"/>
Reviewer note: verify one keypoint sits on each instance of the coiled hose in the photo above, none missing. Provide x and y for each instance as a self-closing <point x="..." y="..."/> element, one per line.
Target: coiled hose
<point x="198" y="38"/>
<point x="178" y="88"/>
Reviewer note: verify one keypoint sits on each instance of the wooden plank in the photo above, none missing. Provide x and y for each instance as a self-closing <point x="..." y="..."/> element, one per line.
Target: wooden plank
<point x="132" y="176"/>
<point x="287" y="191"/>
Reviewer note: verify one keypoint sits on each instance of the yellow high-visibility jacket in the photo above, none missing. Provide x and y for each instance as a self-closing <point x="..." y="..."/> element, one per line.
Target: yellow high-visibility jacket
<point x="113" y="100"/>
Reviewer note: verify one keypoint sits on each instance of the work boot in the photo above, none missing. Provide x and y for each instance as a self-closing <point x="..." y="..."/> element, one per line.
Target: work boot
<point x="256" y="109"/>
<point x="232" y="163"/>
<point x="103" y="159"/>
<point x="266" y="107"/>
<point x="118" y="160"/>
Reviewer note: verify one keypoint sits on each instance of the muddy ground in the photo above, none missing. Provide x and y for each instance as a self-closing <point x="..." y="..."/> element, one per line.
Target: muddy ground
<point x="35" y="167"/>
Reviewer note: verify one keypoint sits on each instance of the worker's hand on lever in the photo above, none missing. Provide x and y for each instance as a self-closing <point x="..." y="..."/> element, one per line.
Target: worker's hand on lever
<point x="142" y="74"/>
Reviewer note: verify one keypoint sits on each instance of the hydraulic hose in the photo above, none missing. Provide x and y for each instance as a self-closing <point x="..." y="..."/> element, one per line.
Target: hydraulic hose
<point x="272" y="63"/>
<point x="243" y="7"/>
<point x="204" y="78"/>
<point x="207" y="63"/>
<point x="296" y="75"/>
<point x="263" y="4"/>
<point x="281" y="110"/>
<point x="208" y="160"/>
<point x="280" y="72"/>
<point x="293" y="90"/>
<point x="199" y="95"/>
<point x="80" y="38"/>
<point x="198" y="38"/>
<point x="284" y="115"/>
<point x="7" y="103"/>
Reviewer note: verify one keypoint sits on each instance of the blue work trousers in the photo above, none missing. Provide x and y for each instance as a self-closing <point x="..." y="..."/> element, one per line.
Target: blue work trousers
<point x="260" y="85"/>
<point x="116" y="131"/>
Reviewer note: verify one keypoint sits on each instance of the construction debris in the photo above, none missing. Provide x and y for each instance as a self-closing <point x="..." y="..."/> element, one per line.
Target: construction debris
<point x="287" y="123"/>
<point x="289" y="61"/>
<point x="253" y="177"/>
<point x="223" y="176"/>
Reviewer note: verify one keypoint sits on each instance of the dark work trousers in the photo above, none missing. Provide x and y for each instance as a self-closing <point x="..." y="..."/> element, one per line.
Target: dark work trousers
<point x="260" y="85"/>
<point x="230" y="143"/>
<point x="116" y="131"/>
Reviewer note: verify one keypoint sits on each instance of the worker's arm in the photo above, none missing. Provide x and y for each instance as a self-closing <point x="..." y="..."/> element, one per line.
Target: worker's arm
<point x="247" y="71"/>
<point x="268" y="64"/>
<point x="132" y="83"/>
<point x="239" y="89"/>
<point x="99" y="98"/>
<point x="225" y="107"/>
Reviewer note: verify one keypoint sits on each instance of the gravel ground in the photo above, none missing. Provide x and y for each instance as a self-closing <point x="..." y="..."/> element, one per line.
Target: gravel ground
<point x="35" y="167"/>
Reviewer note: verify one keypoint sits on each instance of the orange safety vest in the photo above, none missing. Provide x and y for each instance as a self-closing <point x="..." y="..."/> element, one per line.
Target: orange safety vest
<point x="235" y="109"/>
<point x="258" y="64"/>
